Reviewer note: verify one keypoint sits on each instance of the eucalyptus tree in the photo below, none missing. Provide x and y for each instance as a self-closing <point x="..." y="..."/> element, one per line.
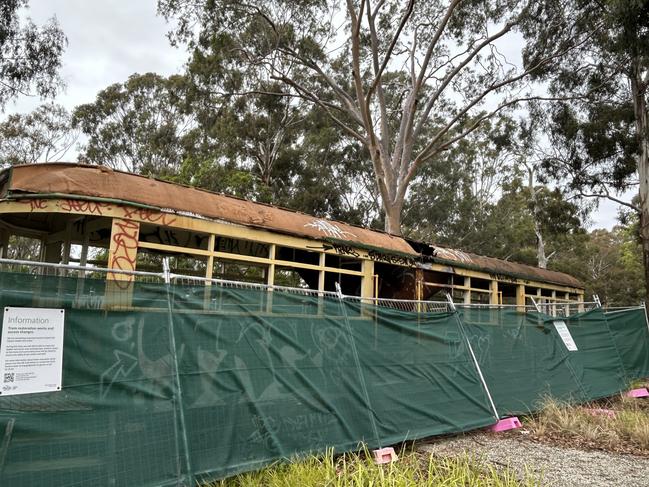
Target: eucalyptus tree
<point x="43" y="135"/>
<point x="140" y="125"/>
<point x="272" y="146"/>
<point x="406" y="80"/>
<point x="30" y="56"/>
<point x="599" y="144"/>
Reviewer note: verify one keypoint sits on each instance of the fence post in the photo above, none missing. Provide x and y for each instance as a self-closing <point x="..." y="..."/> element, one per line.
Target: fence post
<point x="451" y="305"/>
<point x="179" y="409"/>
<point x="357" y="363"/>
<point x="644" y="307"/>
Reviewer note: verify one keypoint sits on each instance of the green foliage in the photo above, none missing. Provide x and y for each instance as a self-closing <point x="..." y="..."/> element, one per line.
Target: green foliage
<point x="23" y="248"/>
<point x="30" y="56"/>
<point x="44" y="135"/>
<point x="595" y="146"/>
<point x="139" y="125"/>
<point x="475" y="198"/>
<point x="609" y="263"/>
<point x="280" y="149"/>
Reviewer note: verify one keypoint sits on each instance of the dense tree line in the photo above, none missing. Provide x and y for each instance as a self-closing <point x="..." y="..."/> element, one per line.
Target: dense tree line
<point x="397" y="115"/>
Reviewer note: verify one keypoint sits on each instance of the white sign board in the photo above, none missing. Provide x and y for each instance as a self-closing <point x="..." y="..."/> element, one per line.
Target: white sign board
<point x="564" y="333"/>
<point x="31" y="350"/>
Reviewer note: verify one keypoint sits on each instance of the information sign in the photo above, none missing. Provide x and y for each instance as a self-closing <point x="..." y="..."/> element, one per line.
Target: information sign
<point x="31" y="350"/>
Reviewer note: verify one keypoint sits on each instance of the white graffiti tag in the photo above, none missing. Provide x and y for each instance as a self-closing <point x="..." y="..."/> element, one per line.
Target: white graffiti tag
<point x="452" y="254"/>
<point x="119" y="370"/>
<point x="329" y="229"/>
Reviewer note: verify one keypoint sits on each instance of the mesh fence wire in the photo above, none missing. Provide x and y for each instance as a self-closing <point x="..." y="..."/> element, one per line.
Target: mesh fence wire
<point x="178" y="383"/>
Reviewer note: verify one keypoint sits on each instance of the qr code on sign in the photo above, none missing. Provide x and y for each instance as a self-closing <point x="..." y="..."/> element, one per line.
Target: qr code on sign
<point x="9" y="377"/>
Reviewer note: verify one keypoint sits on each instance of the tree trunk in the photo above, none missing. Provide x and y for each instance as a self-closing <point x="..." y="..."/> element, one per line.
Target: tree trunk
<point x="644" y="237"/>
<point x="541" y="258"/>
<point x="643" y="172"/>
<point x="393" y="217"/>
<point x="638" y="91"/>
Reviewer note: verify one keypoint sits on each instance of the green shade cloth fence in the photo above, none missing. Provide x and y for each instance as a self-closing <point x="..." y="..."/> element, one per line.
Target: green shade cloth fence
<point x="192" y="383"/>
<point x="524" y="359"/>
<point x="631" y="334"/>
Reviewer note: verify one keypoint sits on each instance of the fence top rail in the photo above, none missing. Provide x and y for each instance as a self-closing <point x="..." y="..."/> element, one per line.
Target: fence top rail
<point x="174" y="278"/>
<point x="394" y="300"/>
<point x="79" y="268"/>
<point x="530" y="306"/>
<point x="618" y="309"/>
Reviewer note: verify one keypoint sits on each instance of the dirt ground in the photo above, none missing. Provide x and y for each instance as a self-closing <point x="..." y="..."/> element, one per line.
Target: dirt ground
<point x="553" y="465"/>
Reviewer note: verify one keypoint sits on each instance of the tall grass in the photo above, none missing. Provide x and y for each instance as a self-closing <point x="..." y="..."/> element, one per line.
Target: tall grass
<point x="628" y="427"/>
<point x="355" y="470"/>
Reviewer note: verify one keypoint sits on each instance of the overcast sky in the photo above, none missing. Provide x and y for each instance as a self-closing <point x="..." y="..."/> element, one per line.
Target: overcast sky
<point x="111" y="39"/>
<point x="107" y="42"/>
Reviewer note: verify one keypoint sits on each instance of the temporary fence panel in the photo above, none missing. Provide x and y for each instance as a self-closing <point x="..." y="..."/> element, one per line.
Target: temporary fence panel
<point x="596" y="362"/>
<point x="521" y="358"/>
<point x="169" y="384"/>
<point x="200" y="382"/>
<point x="260" y="385"/>
<point x="115" y="420"/>
<point x="420" y="375"/>
<point x="525" y="358"/>
<point x="631" y="333"/>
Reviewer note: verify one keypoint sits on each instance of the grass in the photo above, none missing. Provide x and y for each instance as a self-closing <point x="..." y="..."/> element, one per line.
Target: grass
<point x="356" y="470"/>
<point x="559" y="423"/>
<point x="627" y="431"/>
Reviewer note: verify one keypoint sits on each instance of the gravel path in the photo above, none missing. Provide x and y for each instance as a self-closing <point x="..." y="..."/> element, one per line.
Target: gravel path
<point x="555" y="465"/>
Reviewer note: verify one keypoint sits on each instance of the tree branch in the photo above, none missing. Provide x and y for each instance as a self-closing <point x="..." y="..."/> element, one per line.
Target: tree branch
<point x="434" y="41"/>
<point x="607" y="196"/>
<point x="305" y="93"/>
<point x="378" y="72"/>
<point x="454" y="72"/>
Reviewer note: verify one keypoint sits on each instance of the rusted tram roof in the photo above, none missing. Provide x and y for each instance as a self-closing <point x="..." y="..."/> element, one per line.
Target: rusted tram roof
<point x="61" y="180"/>
<point x="499" y="267"/>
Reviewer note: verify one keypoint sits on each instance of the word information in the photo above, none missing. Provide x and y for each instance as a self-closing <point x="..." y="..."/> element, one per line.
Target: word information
<point x="31" y="350"/>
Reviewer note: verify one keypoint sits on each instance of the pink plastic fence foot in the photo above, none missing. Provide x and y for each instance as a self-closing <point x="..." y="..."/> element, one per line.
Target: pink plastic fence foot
<point x="506" y="424"/>
<point x="642" y="392"/>
<point x="384" y="455"/>
<point x="601" y="412"/>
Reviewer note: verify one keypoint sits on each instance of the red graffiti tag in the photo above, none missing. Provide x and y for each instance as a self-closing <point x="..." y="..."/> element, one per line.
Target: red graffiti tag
<point x="124" y="252"/>
<point x="35" y="204"/>
<point x="144" y="214"/>
<point x="90" y="207"/>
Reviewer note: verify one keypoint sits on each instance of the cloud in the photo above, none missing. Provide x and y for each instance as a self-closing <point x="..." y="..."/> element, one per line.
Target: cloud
<point x="107" y="42"/>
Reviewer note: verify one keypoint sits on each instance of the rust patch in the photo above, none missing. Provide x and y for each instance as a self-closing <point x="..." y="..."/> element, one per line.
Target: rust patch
<point x="99" y="182"/>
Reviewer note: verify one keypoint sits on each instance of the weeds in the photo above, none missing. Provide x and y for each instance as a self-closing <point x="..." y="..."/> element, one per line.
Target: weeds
<point x="626" y="430"/>
<point x="357" y="469"/>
